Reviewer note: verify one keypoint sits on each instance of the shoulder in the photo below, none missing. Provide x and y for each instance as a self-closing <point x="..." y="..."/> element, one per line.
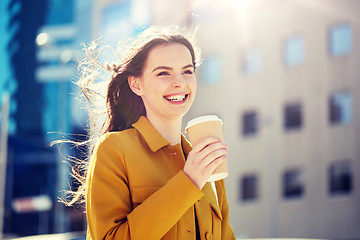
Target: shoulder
<point x="116" y="138"/>
<point x="114" y="143"/>
<point x="110" y="148"/>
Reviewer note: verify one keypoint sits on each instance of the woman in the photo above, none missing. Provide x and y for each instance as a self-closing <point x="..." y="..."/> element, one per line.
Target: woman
<point x="144" y="180"/>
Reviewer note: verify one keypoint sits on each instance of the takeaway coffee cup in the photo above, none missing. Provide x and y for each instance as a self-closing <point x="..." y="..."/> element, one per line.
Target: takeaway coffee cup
<point x="206" y="126"/>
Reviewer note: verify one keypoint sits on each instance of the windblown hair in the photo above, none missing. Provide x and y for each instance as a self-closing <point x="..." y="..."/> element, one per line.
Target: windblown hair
<point x="112" y="105"/>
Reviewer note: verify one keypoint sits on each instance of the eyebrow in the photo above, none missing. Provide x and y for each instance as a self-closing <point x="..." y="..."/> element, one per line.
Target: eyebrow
<point x="170" y="68"/>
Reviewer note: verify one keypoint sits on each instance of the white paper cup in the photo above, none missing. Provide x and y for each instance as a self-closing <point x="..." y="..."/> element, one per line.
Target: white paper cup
<point x="206" y="126"/>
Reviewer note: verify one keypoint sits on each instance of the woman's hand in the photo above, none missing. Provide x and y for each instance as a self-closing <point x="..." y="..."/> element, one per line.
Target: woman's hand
<point x="204" y="158"/>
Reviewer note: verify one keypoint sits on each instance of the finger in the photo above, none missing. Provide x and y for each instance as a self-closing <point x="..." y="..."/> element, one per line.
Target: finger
<point x="205" y="142"/>
<point x="212" y="148"/>
<point x="213" y="156"/>
<point x="215" y="163"/>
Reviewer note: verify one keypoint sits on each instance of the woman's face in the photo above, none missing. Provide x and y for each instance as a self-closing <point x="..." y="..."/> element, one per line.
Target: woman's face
<point x="168" y="84"/>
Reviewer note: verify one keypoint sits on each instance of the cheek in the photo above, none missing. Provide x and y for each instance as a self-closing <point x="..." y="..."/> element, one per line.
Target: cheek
<point x="148" y="87"/>
<point x="194" y="86"/>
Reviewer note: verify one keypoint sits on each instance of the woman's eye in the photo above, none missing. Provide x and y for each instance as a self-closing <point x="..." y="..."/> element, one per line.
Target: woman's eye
<point x="162" y="74"/>
<point x="188" y="72"/>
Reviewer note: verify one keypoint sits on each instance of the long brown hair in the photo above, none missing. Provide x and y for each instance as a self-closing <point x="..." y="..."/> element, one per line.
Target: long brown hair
<point x="123" y="106"/>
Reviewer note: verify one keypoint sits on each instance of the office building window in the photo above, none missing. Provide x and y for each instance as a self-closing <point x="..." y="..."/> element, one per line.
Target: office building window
<point x="293" y="186"/>
<point x="340" y="178"/>
<point x="340" y="108"/>
<point x="252" y="62"/>
<point x="292" y="116"/>
<point x="249" y="187"/>
<point x="340" y="40"/>
<point x="115" y="23"/>
<point x="249" y="123"/>
<point x="211" y="69"/>
<point x="294" y="51"/>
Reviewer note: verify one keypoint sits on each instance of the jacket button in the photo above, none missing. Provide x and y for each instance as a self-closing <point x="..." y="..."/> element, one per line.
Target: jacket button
<point x="208" y="236"/>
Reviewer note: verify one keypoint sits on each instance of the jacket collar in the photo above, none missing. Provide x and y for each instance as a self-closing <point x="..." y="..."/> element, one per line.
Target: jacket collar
<point x="186" y="146"/>
<point x="154" y="139"/>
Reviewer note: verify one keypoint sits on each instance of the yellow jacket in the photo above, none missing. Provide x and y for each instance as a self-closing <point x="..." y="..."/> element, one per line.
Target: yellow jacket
<point x="136" y="189"/>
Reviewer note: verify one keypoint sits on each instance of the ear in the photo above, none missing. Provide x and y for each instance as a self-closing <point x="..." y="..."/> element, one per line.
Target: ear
<point x="134" y="84"/>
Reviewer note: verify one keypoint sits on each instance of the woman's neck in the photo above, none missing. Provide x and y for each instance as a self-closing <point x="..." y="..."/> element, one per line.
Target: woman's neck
<point x="170" y="129"/>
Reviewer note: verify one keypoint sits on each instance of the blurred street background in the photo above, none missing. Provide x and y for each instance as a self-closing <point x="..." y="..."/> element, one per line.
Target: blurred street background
<point x="284" y="75"/>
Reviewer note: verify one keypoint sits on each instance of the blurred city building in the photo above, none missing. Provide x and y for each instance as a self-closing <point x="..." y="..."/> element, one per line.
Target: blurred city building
<point x="40" y="45"/>
<point x="30" y="166"/>
<point x="282" y="74"/>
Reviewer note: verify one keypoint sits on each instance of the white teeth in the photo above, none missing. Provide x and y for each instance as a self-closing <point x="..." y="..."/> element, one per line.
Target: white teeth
<point x="176" y="98"/>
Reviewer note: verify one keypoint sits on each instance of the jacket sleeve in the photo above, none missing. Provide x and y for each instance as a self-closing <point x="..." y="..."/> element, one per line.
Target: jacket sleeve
<point x="109" y="205"/>
<point x="226" y="230"/>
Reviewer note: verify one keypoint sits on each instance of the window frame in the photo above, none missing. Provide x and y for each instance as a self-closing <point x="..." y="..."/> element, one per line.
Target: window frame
<point x="249" y="180"/>
<point x="340" y="192"/>
<point x="288" y="126"/>
<point x="343" y="105"/>
<point x="296" y="176"/>
<point x="244" y="123"/>
<point x="294" y="51"/>
<point x="211" y="69"/>
<point x="339" y="52"/>
<point x="251" y="61"/>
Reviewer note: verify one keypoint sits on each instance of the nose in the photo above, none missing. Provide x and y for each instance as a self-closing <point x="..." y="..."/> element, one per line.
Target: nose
<point x="179" y="81"/>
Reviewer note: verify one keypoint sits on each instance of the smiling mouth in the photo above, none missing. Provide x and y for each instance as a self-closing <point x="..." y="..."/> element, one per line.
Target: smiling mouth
<point x="176" y="98"/>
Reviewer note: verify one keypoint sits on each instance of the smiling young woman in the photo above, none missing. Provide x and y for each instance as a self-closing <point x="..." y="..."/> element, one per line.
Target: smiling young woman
<point x="144" y="180"/>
